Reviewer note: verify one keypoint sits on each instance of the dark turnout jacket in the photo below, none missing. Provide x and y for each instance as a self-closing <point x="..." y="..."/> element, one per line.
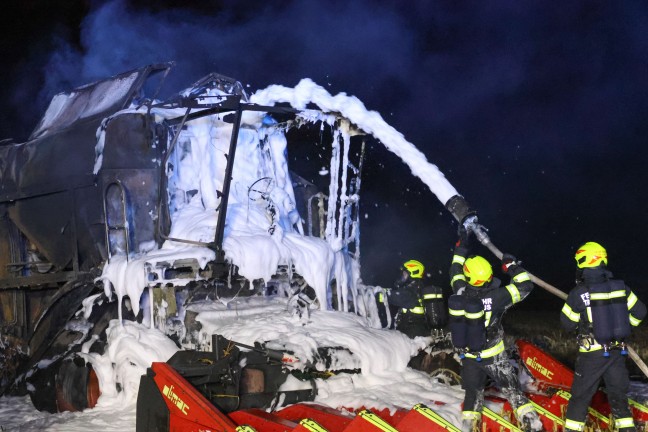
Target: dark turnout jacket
<point x="576" y="314"/>
<point x="426" y="301"/>
<point x="495" y="298"/>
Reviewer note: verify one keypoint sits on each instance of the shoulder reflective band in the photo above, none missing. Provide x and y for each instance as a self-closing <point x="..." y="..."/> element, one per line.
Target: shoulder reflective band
<point x="432" y="296"/>
<point x="312" y="425"/>
<point x="515" y="293"/>
<point x="376" y="421"/>
<point x="569" y="313"/>
<point x="632" y="299"/>
<point x="458" y="259"/>
<point x="245" y="429"/>
<point x="607" y="296"/>
<point x="522" y="277"/>
<point x="490" y="352"/>
<point x="574" y="425"/>
<point x="433" y="416"/>
<point x="500" y="420"/>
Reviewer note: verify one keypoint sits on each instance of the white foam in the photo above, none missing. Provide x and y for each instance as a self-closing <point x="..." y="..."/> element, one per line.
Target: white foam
<point x="369" y="121"/>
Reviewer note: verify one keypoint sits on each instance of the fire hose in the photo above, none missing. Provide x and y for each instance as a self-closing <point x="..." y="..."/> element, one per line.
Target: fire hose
<point x="459" y="208"/>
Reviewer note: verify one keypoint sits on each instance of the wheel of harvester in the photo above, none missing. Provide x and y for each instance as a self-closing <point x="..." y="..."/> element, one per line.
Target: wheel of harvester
<point x="77" y="386"/>
<point x="93" y="391"/>
<point x="446" y="376"/>
<point x="441" y="365"/>
<point x="70" y="383"/>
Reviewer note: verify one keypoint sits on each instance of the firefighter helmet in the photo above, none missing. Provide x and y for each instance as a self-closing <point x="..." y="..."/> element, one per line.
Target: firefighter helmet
<point x="478" y="271"/>
<point x="414" y="268"/>
<point x="591" y="254"/>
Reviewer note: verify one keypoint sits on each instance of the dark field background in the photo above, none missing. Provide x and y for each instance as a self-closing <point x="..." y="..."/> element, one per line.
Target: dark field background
<point x="543" y="329"/>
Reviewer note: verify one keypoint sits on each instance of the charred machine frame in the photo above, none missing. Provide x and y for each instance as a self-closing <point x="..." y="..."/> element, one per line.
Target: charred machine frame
<point x="60" y="221"/>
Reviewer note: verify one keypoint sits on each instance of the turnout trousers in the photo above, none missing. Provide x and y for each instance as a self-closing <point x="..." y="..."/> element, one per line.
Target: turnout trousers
<point x="474" y="377"/>
<point x="590" y="368"/>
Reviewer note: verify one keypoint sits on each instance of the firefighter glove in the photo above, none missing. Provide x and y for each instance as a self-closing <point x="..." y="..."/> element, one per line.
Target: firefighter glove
<point x="508" y="260"/>
<point x="464" y="237"/>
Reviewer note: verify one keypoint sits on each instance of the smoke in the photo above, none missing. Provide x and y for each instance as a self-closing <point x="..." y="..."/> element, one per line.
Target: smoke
<point x="469" y="67"/>
<point x="506" y="97"/>
<point x="327" y="41"/>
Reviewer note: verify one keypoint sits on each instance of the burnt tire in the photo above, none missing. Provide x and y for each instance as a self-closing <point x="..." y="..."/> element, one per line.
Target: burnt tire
<point x="67" y="385"/>
<point x="42" y="388"/>
<point x="72" y="383"/>
<point x="447" y="376"/>
<point x="441" y="365"/>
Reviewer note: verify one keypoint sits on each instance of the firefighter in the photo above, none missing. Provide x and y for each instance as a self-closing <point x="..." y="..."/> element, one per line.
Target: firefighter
<point x="476" y="312"/>
<point x="417" y="308"/>
<point x="407" y="296"/>
<point x="602" y="310"/>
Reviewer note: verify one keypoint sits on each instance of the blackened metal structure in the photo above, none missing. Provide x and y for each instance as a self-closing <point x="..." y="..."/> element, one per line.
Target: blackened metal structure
<point x="62" y="218"/>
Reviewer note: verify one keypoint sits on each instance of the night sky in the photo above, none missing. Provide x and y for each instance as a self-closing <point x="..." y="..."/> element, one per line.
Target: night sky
<point x="536" y="111"/>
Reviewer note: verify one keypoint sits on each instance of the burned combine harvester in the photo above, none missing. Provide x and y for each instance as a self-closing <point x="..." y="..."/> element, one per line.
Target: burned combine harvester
<point x="162" y="202"/>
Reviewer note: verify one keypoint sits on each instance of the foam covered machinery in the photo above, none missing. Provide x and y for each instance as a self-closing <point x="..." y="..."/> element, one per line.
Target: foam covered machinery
<point x="94" y="181"/>
<point x="197" y="391"/>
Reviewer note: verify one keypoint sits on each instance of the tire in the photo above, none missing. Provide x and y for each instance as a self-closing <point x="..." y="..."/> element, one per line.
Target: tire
<point x="442" y="366"/>
<point x="72" y="385"/>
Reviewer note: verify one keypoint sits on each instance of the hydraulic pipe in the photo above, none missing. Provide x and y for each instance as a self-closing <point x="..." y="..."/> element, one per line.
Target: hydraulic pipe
<point x="460" y="209"/>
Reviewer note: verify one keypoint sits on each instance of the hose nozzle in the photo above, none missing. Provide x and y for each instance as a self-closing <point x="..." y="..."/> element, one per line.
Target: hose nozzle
<point x="471" y="224"/>
<point x="480" y="234"/>
<point x="459" y="208"/>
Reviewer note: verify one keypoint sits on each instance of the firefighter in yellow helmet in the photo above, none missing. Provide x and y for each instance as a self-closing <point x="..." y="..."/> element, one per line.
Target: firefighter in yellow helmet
<point x="476" y="311"/>
<point x="603" y="311"/>
<point x="416" y="308"/>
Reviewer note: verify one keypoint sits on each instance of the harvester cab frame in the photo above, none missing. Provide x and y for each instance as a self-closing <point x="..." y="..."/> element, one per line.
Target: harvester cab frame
<point x="91" y="184"/>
